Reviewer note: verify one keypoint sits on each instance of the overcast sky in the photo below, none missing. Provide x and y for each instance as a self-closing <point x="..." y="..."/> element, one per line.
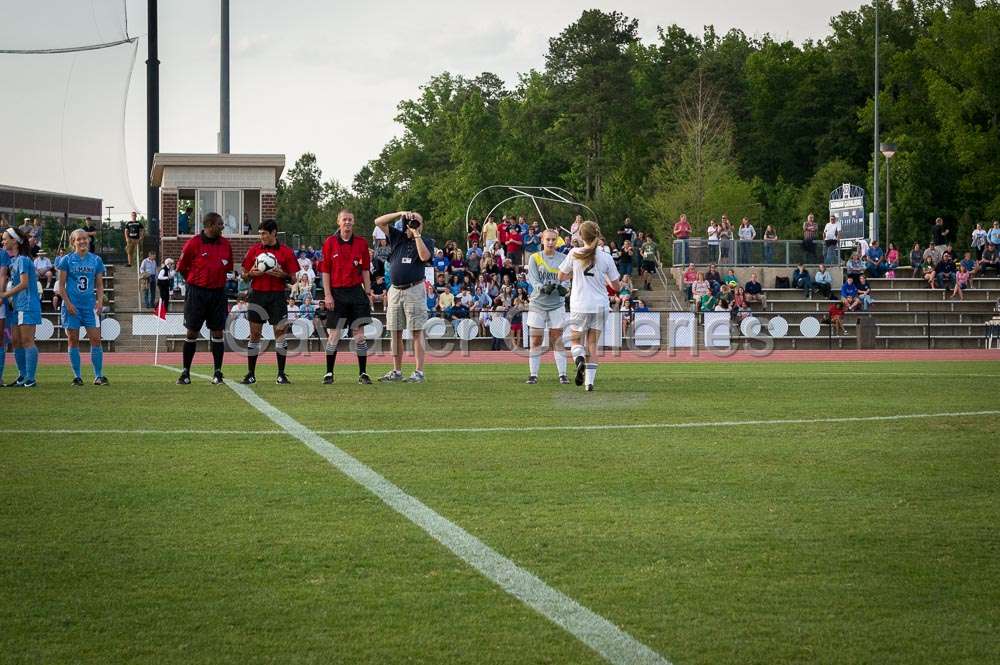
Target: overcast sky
<point x="315" y="76"/>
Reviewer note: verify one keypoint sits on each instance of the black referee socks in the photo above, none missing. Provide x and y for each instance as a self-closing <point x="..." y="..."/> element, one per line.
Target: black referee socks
<point x="218" y="348"/>
<point x="189" y="349"/>
<point x="281" y="350"/>
<point x="331" y="356"/>
<point x="362" y="349"/>
<point x="253" y="348"/>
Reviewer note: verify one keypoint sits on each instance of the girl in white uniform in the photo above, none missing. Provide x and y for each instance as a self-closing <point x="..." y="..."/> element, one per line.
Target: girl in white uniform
<point x="591" y="270"/>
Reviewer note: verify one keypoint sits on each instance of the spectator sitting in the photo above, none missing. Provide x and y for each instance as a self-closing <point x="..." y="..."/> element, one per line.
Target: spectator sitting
<point x="836" y="318"/>
<point x="945" y="272"/>
<point x="864" y="293"/>
<point x="459" y="311"/>
<point x="508" y="270"/>
<point x="301" y="288"/>
<point x="454" y="285"/>
<point x="849" y="295"/>
<point x="43" y="267"/>
<point x="971" y="266"/>
<point x="739" y="308"/>
<point x="689" y="278"/>
<point x="714" y="279"/>
<point x="927" y="271"/>
<point x="639" y="306"/>
<point x="855" y="266"/>
<point x="875" y="260"/>
<point x="457" y="264"/>
<point x="731" y="279"/>
<point x="440" y="283"/>
<point x="707" y="302"/>
<point x="754" y="291"/>
<point x="444" y="304"/>
<point x="962" y="281"/>
<point x="802" y="280"/>
<point x="931" y="254"/>
<point x="432" y="299"/>
<point x="891" y="261"/>
<point x="307" y="310"/>
<point x="306" y="266"/>
<point x="293" y="310"/>
<point x="440" y="262"/>
<point x="700" y="288"/>
<point x="725" y="295"/>
<point x="916" y="258"/>
<point x="990" y="260"/>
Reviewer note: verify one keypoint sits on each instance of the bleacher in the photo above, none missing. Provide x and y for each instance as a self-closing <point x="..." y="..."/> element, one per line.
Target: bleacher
<point x="905" y="312"/>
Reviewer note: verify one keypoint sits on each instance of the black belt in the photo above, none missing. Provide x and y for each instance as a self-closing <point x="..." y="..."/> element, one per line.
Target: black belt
<point x="403" y="287"/>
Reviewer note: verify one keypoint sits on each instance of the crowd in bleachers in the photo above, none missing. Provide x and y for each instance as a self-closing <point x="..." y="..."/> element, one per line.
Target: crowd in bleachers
<point x="483" y="277"/>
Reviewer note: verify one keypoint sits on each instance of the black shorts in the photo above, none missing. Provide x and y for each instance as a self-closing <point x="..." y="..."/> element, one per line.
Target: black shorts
<point x="649" y="266"/>
<point x="271" y="307"/>
<point x="350" y="308"/>
<point x="205" y="306"/>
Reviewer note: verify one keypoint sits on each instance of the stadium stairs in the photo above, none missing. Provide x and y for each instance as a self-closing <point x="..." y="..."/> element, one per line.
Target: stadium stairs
<point x="127" y="303"/>
<point x="905" y="312"/>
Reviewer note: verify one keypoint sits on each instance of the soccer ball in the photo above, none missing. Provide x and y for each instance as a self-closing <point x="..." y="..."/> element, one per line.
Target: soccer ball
<point x="265" y="262"/>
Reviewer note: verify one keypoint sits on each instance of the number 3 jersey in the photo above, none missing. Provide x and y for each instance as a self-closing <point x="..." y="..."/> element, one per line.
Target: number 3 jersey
<point x="81" y="278"/>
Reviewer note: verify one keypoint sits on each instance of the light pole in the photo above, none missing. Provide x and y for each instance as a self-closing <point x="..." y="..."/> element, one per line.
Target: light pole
<point x="110" y="208"/>
<point x="887" y="149"/>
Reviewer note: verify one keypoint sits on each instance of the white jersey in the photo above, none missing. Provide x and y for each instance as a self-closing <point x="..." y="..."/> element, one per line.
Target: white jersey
<point x="589" y="294"/>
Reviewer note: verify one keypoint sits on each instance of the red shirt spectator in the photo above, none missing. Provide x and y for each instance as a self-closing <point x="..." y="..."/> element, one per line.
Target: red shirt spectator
<point x="512" y="240"/>
<point x="345" y="260"/>
<point x="286" y="261"/>
<point x="205" y="261"/>
<point x="682" y="229"/>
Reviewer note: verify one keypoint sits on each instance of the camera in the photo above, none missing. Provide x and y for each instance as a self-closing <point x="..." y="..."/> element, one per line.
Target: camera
<point x="411" y="221"/>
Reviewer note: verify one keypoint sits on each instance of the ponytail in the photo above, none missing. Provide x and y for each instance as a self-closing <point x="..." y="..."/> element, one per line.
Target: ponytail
<point x="589" y="233"/>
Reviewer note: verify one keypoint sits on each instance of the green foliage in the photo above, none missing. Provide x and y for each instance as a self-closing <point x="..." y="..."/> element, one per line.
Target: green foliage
<point x="815" y="197"/>
<point x="699" y="176"/>
<point x="604" y="121"/>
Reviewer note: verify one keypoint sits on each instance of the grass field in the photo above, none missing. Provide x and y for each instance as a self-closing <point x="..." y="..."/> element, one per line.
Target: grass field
<point x="709" y="523"/>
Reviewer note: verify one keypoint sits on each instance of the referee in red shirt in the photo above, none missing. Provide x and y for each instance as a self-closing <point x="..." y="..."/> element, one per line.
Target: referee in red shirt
<point x="267" y="298"/>
<point x="346" y="271"/>
<point x="204" y="262"/>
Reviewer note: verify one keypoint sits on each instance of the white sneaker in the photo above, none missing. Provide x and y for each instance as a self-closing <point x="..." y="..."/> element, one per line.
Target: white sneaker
<point x="392" y="376"/>
<point x="416" y="377"/>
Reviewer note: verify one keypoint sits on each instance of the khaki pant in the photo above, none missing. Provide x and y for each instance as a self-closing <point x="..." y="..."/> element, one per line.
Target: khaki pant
<point x="406" y="309"/>
<point x="132" y="248"/>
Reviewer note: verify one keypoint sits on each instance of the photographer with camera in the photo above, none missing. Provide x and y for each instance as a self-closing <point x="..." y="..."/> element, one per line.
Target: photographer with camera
<point x="406" y="306"/>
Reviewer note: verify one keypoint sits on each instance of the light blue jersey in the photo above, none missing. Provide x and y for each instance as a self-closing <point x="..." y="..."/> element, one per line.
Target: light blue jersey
<point x="81" y="278"/>
<point x="4" y="263"/>
<point x="26" y="300"/>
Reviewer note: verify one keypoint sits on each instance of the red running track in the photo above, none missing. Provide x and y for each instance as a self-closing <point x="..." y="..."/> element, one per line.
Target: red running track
<point x="509" y="357"/>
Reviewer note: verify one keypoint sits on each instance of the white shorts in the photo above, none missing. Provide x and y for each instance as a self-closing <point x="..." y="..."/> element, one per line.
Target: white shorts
<point x="551" y="319"/>
<point x="581" y="321"/>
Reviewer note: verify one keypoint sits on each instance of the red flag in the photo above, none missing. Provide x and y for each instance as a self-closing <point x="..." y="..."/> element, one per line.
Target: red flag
<point x="161" y="310"/>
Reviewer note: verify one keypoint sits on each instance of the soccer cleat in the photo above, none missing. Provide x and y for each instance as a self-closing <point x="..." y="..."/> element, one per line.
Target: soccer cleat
<point x="248" y="380"/>
<point x="581" y="367"/>
<point x="328" y="379"/>
<point x="532" y="380"/>
<point x="563" y="379"/>
<point x="101" y="381"/>
<point x="390" y="377"/>
<point x="217" y="378"/>
<point x="416" y="377"/>
<point x="590" y="387"/>
<point x="364" y="379"/>
<point x="29" y="383"/>
<point x="16" y="383"/>
<point x="184" y="379"/>
<point x="77" y="381"/>
<point x="282" y="380"/>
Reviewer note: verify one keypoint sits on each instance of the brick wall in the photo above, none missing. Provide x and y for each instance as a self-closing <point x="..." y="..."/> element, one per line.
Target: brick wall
<point x="268" y="205"/>
<point x="168" y="213"/>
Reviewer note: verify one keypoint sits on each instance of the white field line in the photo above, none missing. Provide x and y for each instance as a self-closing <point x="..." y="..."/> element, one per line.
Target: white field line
<point x="527" y="428"/>
<point x="611" y="642"/>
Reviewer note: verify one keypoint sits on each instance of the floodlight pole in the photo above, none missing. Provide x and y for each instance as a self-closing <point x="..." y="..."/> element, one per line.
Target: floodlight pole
<point x="876" y="151"/>
<point x="224" y="82"/>
<point x="152" y="115"/>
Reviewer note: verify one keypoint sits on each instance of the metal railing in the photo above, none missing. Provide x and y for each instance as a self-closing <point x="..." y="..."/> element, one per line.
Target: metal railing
<point x="753" y="252"/>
